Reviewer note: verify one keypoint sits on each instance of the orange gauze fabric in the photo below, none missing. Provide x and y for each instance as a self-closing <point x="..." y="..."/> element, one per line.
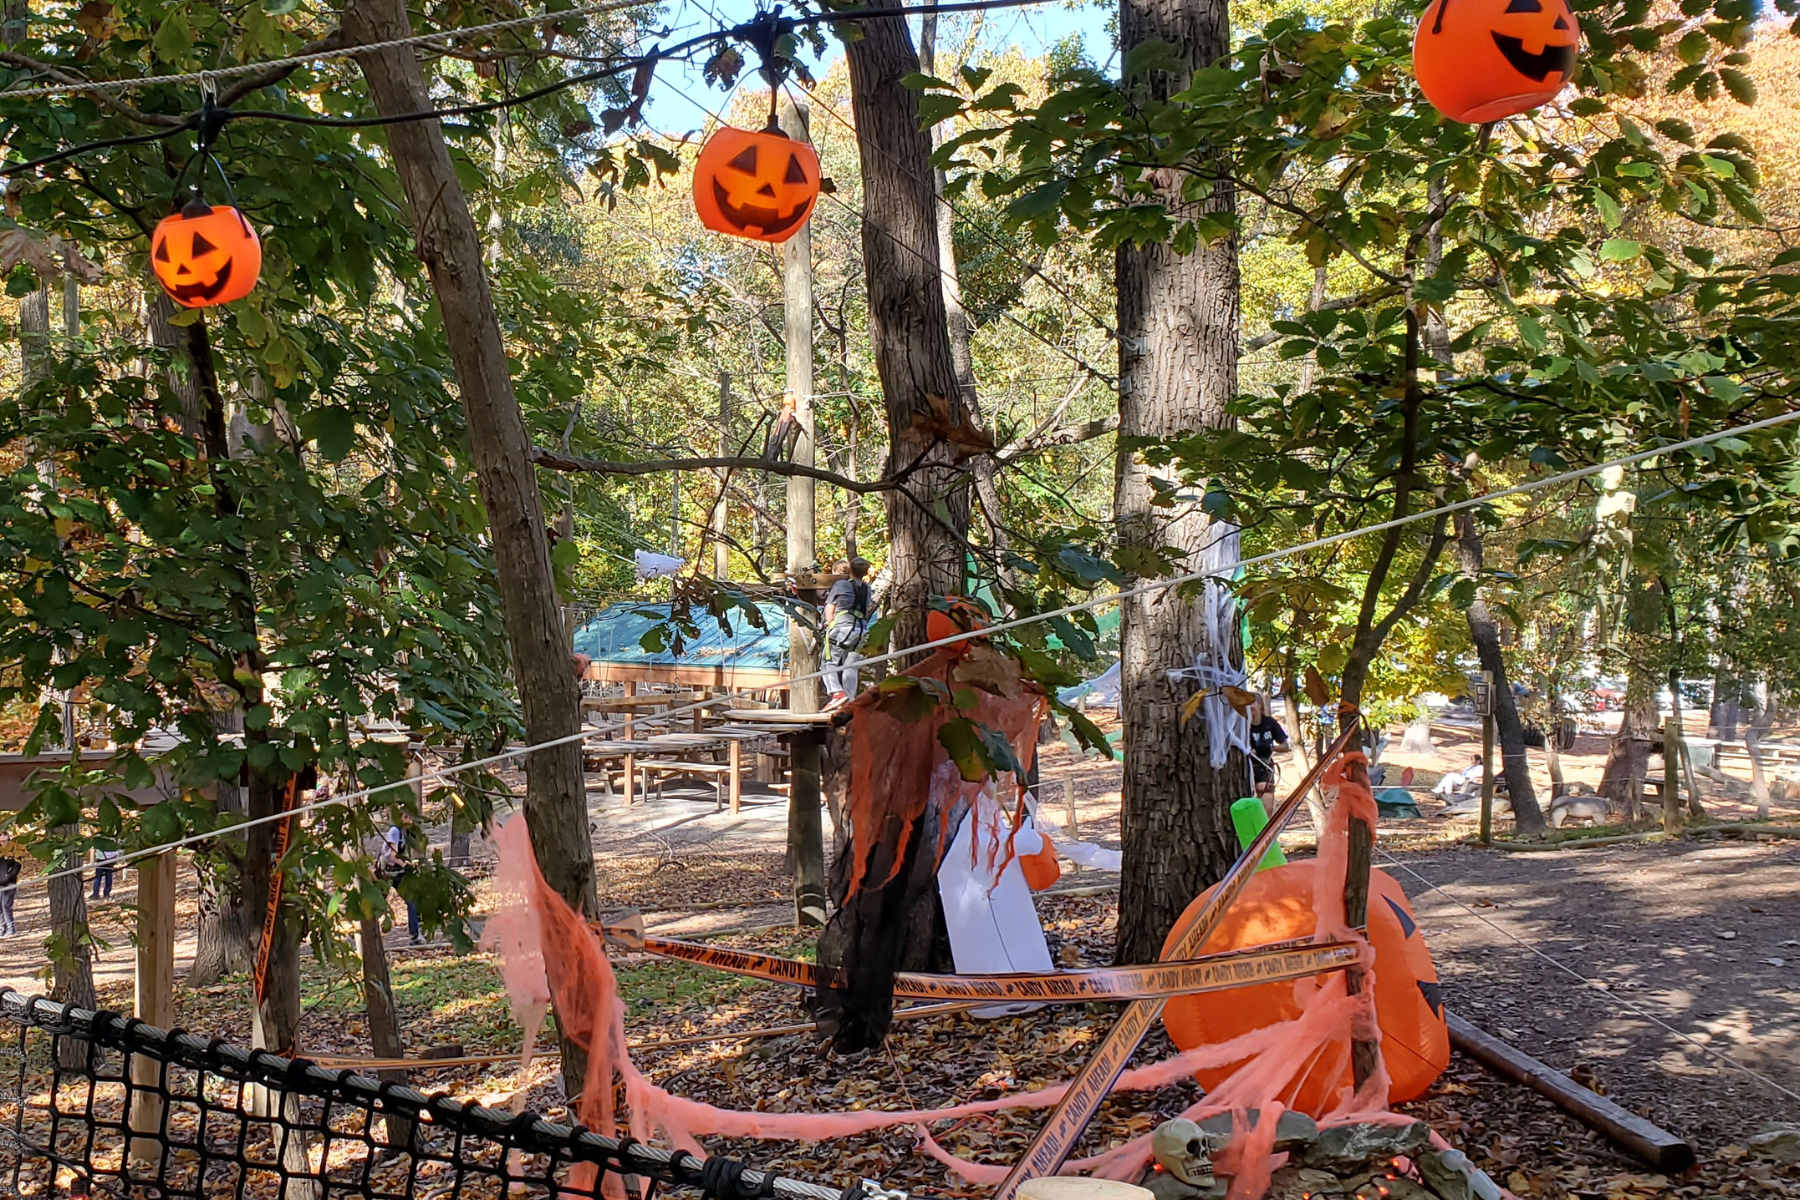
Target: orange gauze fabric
<point x="892" y="758"/>
<point x="549" y="951"/>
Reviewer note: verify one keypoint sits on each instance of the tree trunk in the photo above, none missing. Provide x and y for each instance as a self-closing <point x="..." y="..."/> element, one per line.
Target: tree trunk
<point x="224" y="939"/>
<point x="555" y="797"/>
<point x="982" y="469"/>
<point x="384" y="1022"/>
<point x="907" y="323"/>
<point x="1178" y="352"/>
<point x="71" y="957"/>
<point x="1628" y="758"/>
<point x="1370" y="631"/>
<point x="1528" y="818"/>
<point x="1553" y="742"/>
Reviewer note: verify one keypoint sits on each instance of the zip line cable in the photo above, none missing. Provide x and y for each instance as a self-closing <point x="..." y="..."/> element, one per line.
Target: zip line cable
<point x="1593" y="984"/>
<point x="1144" y="589"/>
<point x="210" y="76"/>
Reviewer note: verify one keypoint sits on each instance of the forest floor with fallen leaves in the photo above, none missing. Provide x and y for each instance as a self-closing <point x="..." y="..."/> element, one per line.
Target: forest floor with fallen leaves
<point x="1551" y="952"/>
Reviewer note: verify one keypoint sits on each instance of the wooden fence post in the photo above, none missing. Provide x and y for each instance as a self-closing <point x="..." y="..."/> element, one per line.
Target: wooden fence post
<point x="153" y="1001"/>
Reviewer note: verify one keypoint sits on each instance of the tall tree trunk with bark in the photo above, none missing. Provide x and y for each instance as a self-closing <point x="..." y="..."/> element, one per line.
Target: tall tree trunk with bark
<point x="1178" y="352"/>
<point x="1484" y="631"/>
<point x="1628" y="758"/>
<point x="384" y="1021"/>
<point x="907" y="321"/>
<point x="893" y="927"/>
<point x="555" y="794"/>
<point x="982" y="469"/>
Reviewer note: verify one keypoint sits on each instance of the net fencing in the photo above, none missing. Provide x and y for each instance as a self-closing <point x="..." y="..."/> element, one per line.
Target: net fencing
<point x="93" y="1104"/>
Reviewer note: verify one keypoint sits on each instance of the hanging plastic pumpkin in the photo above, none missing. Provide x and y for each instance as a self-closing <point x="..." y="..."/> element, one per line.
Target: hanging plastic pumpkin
<point x="205" y="254"/>
<point x="1276" y="906"/>
<point x="755" y="185"/>
<point x="1040" y="866"/>
<point x="1482" y="60"/>
<point x="960" y="614"/>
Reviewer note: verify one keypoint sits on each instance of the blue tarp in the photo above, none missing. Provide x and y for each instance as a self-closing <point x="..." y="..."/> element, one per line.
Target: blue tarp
<point x="614" y="634"/>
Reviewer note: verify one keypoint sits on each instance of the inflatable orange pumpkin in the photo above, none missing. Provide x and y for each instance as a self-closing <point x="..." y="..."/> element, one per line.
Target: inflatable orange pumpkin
<point x="1481" y="60"/>
<point x="205" y="255"/>
<point x="1277" y="906"/>
<point x="959" y="615"/>
<point x="755" y="185"/>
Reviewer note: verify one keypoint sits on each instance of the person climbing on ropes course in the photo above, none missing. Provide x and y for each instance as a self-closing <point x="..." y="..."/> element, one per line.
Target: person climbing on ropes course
<point x="394" y="864"/>
<point x="846" y="622"/>
<point x="1265" y="734"/>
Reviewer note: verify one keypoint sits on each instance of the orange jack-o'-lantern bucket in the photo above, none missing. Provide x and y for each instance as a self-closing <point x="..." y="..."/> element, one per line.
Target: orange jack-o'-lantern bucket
<point x="755" y="185"/>
<point x="1482" y="60"/>
<point x="205" y="254"/>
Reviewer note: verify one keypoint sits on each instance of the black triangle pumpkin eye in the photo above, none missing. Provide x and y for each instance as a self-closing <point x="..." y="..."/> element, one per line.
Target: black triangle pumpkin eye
<point x="795" y="172"/>
<point x="1524" y="6"/>
<point x="202" y="246"/>
<point x="162" y="251"/>
<point x="1560" y="24"/>
<point x="745" y="162"/>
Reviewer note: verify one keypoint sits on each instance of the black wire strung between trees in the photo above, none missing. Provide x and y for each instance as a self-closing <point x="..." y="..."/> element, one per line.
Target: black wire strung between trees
<point x="763" y="32"/>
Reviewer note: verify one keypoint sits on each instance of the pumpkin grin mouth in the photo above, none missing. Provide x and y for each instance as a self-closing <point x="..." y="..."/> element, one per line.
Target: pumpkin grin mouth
<point x="187" y="292"/>
<point x="1560" y="59"/>
<point x="764" y="217"/>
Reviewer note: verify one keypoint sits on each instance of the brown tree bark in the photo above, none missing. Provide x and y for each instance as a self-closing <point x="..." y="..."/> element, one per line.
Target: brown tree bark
<point x="555" y="797"/>
<point x="1628" y="757"/>
<point x="1484" y="631"/>
<point x="384" y="1022"/>
<point x="1178" y="352"/>
<point x="907" y="322"/>
<point x="1372" y="630"/>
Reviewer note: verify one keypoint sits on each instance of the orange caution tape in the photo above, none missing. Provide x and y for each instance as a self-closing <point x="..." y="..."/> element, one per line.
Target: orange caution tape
<point x="284" y="829"/>
<point x="1262" y="964"/>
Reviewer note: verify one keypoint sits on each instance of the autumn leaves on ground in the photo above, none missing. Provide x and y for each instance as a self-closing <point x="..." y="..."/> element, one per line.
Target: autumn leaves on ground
<point x="1700" y="935"/>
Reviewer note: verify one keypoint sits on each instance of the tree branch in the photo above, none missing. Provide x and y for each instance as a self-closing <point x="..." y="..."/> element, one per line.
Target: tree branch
<point x="655" y="466"/>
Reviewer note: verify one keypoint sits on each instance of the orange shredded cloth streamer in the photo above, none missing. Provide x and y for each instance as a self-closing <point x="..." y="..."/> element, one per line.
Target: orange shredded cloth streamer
<point x="549" y="955"/>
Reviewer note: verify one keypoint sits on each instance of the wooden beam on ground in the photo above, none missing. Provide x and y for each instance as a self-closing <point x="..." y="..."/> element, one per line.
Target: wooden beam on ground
<point x="1658" y="1147"/>
<point x="153" y="1000"/>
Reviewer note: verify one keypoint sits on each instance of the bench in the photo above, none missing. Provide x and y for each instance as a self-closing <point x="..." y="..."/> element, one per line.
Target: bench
<point x="722" y="775"/>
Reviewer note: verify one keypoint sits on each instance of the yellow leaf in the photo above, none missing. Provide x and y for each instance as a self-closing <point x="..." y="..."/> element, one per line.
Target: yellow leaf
<point x="1190" y="706"/>
<point x="1239" y="698"/>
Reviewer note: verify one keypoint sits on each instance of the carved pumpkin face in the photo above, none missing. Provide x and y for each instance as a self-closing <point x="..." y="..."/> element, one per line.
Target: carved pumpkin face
<point x="205" y="255"/>
<point x="755" y="185"/>
<point x="1482" y="60"/>
<point x="953" y="615"/>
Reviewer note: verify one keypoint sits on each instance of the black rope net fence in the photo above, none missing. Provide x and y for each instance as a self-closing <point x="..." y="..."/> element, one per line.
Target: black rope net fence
<point x="93" y="1104"/>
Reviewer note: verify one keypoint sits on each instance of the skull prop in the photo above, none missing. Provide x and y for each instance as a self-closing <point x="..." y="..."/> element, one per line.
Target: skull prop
<point x="1180" y="1147"/>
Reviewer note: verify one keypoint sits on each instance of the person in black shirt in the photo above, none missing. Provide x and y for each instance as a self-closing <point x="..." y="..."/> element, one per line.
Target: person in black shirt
<point x="846" y="622"/>
<point x="1265" y="734"/>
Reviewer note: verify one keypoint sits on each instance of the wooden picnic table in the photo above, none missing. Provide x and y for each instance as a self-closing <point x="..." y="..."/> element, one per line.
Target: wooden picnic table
<point x="805" y="733"/>
<point x="682" y="746"/>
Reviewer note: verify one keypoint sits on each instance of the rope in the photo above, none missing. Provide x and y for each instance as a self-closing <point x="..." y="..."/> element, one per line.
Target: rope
<point x="1144" y="589"/>
<point x="210" y="76"/>
<point x="1596" y="983"/>
<point x="298" y="60"/>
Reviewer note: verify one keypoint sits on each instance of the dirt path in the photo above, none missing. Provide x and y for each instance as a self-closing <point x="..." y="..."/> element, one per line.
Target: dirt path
<point x="1704" y="936"/>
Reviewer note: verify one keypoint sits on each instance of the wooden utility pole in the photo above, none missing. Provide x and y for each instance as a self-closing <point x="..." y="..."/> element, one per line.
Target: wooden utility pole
<point x="451" y="249"/>
<point x="1671" y="795"/>
<point x="806" y="830"/>
<point x="722" y="552"/>
<point x="1486" y="710"/>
